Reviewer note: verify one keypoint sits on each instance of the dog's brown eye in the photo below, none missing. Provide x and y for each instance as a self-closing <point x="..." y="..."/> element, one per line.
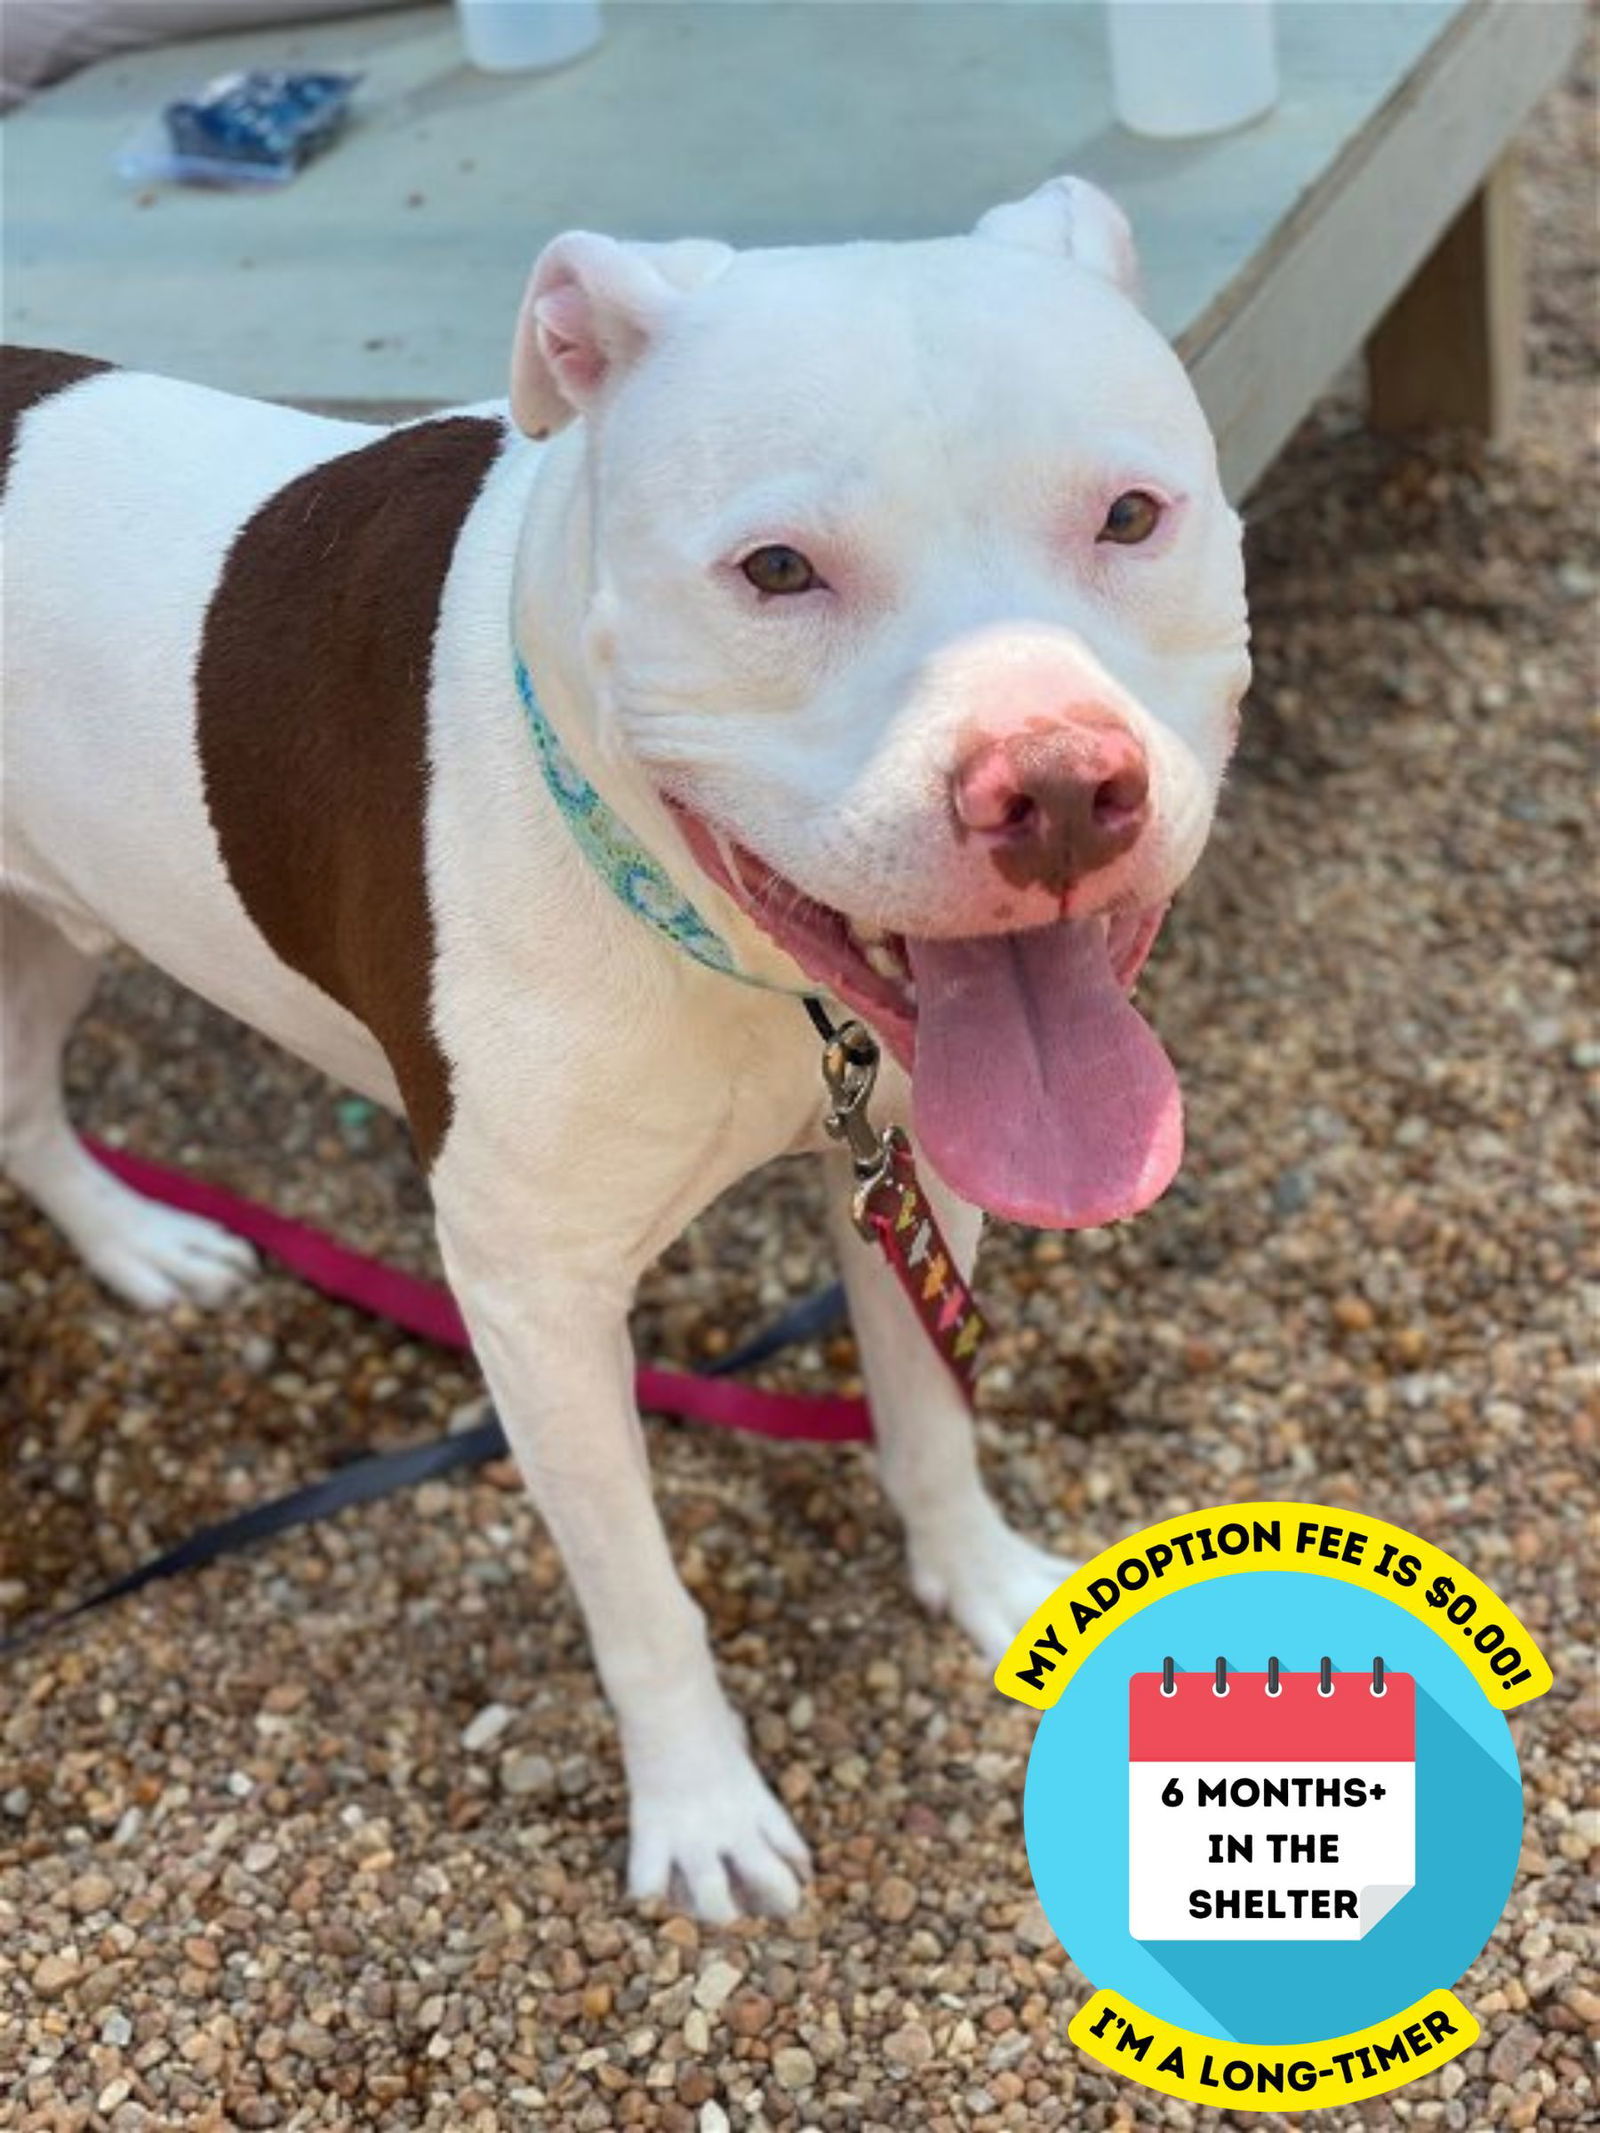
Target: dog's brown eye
<point x="1132" y="518"/>
<point x="779" y="570"/>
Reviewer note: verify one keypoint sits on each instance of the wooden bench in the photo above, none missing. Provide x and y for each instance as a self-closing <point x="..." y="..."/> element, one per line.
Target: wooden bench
<point x="1372" y="207"/>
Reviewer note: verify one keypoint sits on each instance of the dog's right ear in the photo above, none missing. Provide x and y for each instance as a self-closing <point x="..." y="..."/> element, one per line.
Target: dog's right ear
<point x="1070" y="219"/>
<point x="593" y="306"/>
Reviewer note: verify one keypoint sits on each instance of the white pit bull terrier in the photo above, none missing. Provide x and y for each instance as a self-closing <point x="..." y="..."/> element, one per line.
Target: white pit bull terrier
<point x="884" y="593"/>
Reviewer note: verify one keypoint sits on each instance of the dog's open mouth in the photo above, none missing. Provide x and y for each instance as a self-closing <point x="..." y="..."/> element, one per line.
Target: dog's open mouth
<point x="1039" y="1093"/>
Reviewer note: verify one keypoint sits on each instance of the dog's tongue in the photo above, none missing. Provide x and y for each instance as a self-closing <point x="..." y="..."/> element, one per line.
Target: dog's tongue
<point x="1038" y="1093"/>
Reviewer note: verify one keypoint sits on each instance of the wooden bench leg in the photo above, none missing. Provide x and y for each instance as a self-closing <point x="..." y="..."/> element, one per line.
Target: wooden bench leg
<point x="1449" y="350"/>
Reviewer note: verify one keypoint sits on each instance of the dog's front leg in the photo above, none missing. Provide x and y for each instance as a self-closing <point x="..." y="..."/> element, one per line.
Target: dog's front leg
<point x="963" y="1556"/>
<point x="550" y="1330"/>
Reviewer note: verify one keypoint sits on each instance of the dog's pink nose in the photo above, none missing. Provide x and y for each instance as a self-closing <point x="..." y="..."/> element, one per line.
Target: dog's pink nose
<point x="1055" y="805"/>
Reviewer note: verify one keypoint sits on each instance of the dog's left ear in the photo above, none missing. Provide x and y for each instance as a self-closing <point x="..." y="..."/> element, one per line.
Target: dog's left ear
<point x="1070" y="219"/>
<point x="592" y="307"/>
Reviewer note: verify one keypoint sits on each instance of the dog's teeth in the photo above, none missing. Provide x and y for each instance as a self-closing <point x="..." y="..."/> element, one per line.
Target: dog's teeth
<point x="884" y="960"/>
<point x="868" y="936"/>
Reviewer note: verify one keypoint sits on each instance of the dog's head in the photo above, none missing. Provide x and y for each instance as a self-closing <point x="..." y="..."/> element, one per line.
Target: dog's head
<point x="918" y="598"/>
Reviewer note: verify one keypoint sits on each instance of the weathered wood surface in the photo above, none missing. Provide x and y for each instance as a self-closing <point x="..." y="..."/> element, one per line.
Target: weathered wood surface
<point x="387" y="275"/>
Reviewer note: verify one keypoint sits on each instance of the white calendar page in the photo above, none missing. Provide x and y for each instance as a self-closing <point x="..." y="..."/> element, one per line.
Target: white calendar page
<point x="1254" y="1816"/>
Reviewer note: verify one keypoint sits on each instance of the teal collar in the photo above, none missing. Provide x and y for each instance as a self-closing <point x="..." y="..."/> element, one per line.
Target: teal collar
<point x="617" y="856"/>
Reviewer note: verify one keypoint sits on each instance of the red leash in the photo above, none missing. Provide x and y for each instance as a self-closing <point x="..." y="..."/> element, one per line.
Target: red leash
<point x="428" y="1310"/>
<point x="890" y="1210"/>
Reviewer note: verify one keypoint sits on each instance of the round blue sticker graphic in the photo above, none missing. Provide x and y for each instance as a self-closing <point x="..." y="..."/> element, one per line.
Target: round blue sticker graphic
<point x="1297" y="1856"/>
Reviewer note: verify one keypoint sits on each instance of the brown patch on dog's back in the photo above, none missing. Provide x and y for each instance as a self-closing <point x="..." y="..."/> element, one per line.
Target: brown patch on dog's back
<point x="27" y="376"/>
<point x="312" y="688"/>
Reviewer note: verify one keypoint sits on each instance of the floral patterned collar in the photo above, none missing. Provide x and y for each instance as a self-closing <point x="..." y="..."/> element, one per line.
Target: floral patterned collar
<point x="617" y="856"/>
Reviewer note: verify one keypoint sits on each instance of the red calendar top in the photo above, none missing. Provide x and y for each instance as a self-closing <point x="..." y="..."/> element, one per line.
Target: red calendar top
<point x="1194" y="1724"/>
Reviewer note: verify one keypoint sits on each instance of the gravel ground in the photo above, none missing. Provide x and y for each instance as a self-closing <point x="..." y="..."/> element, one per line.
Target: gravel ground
<point x="331" y="1835"/>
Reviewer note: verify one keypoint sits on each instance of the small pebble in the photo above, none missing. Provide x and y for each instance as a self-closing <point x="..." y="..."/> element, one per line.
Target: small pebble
<point x="483" y="1730"/>
<point x="908" y="2048"/>
<point x="714" y="1984"/>
<point x="1514" y="2051"/>
<point x="525" y="1775"/>
<point x="749" y="2014"/>
<point x="895" y="1899"/>
<point x="794" y="2068"/>
<point x="54" y="1973"/>
<point x="90" y="1892"/>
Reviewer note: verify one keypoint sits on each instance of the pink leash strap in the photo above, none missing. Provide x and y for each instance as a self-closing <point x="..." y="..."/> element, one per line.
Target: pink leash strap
<point x="428" y="1310"/>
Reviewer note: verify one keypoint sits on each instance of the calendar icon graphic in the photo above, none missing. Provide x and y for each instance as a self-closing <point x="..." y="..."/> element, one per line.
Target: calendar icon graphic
<point x="1271" y="1806"/>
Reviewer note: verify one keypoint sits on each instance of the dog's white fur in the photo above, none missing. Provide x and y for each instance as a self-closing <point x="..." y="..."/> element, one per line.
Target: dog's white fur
<point x="947" y="422"/>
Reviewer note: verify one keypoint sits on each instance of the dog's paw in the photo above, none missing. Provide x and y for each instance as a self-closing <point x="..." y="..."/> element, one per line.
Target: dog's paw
<point x="988" y="1579"/>
<point x="153" y="1256"/>
<point x="715" y="1838"/>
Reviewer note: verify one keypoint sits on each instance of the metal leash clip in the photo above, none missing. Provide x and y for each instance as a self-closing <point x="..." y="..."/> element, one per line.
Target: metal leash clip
<point x="889" y="1207"/>
<point x="850" y="1069"/>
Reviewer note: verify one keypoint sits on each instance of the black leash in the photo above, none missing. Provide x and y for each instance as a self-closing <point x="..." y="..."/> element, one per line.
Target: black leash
<point x="380" y="1474"/>
<point x="820" y="1021"/>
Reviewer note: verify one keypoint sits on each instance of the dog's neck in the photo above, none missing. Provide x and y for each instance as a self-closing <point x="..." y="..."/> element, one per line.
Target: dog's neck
<point x="550" y="610"/>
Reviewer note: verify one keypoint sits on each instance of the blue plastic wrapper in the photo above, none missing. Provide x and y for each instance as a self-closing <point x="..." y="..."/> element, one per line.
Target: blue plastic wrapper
<point x="256" y="128"/>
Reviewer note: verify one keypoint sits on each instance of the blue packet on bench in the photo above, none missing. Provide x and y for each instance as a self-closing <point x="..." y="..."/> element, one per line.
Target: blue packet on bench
<point x="254" y="128"/>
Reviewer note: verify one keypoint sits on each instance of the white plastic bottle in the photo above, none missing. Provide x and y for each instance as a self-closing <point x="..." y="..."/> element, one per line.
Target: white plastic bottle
<point x="509" y="36"/>
<point x="1185" y="67"/>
